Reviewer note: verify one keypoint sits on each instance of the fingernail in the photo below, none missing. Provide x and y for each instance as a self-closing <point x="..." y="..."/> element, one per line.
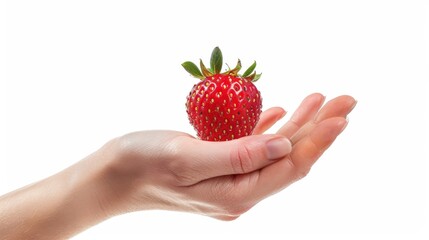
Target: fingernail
<point x="283" y="114"/>
<point x="323" y="98"/>
<point x="354" y="105"/>
<point x="344" y="124"/>
<point x="278" y="147"/>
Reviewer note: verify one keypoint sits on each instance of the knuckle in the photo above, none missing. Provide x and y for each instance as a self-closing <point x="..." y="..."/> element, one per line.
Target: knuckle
<point x="241" y="159"/>
<point x="183" y="171"/>
<point x="300" y="171"/>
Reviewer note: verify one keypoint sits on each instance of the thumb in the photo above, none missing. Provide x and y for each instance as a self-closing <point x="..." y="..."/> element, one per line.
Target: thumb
<point x="244" y="155"/>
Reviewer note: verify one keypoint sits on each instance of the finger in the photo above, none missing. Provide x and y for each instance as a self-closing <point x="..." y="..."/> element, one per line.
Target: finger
<point x="235" y="194"/>
<point x="203" y="159"/>
<point x="305" y="112"/>
<point x="310" y="148"/>
<point x="338" y="107"/>
<point x="284" y="172"/>
<point x="268" y="119"/>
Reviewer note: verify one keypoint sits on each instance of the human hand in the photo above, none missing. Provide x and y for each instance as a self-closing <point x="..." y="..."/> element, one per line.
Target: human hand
<point x="174" y="171"/>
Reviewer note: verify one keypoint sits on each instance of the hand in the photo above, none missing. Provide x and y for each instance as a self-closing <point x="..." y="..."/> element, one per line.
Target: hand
<point x="174" y="171"/>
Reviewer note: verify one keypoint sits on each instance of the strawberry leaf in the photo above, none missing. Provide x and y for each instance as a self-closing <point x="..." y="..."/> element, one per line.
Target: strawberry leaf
<point x="251" y="76"/>
<point x="206" y="72"/>
<point x="216" y="60"/>
<point x="249" y="70"/>
<point x="191" y="68"/>
<point x="257" y="77"/>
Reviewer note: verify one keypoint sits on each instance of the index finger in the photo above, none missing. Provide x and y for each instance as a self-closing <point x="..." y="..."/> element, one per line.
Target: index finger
<point x="306" y="111"/>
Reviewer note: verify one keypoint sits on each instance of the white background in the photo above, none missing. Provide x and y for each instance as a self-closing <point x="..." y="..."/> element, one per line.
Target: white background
<point x="74" y="74"/>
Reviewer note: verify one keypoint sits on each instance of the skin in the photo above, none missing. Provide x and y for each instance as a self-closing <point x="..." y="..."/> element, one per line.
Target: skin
<point x="172" y="170"/>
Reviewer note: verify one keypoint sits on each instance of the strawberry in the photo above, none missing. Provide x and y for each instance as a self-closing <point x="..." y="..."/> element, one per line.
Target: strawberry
<point x="223" y="106"/>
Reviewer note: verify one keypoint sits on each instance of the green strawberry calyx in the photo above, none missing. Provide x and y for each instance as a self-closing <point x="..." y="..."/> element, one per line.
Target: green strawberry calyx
<point x="216" y="62"/>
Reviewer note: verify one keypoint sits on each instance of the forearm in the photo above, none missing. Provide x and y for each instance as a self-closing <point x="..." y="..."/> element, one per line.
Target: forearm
<point x="59" y="206"/>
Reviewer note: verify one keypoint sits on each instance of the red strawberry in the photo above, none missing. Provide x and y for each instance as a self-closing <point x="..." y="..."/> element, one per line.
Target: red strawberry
<point x="223" y="106"/>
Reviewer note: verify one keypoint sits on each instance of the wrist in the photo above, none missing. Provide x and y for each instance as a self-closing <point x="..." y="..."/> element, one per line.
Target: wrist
<point x="94" y="179"/>
<point x="83" y="194"/>
<point x="86" y="192"/>
<point x="112" y="179"/>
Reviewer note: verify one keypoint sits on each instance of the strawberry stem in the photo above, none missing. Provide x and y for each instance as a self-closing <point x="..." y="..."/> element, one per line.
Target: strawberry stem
<point x="235" y="71"/>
